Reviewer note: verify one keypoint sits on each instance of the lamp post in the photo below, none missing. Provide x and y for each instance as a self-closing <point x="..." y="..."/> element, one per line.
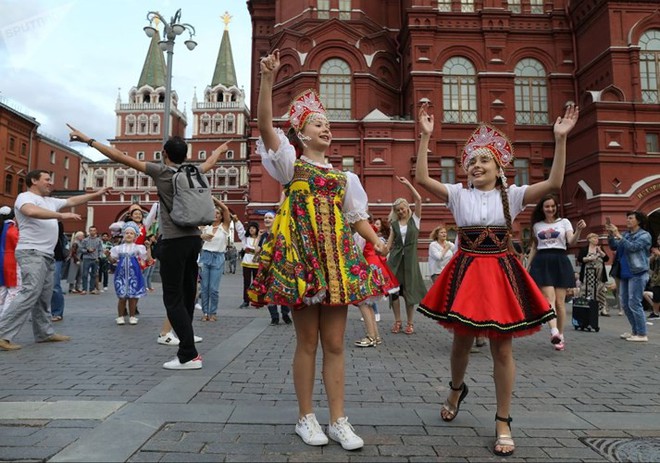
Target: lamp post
<point x="170" y="31"/>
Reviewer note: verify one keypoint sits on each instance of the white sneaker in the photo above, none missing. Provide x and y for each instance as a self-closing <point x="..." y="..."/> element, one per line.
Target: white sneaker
<point x="377" y="317"/>
<point x="625" y="335"/>
<point x="310" y="430"/>
<point x="168" y="340"/>
<point x="198" y="306"/>
<point x="120" y="321"/>
<point x="341" y="431"/>
<point x="105" y="288"/>
<point x="636" y="338"/>
<point x="133" y="321"/>
<point x="175" y="364"/>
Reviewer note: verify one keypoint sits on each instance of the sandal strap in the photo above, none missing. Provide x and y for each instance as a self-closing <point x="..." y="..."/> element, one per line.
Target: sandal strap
<point x="459" y="388"/>
<point x="449" y="408"/>
<point x="499" y="418"/>
<point x="505" y="440"/>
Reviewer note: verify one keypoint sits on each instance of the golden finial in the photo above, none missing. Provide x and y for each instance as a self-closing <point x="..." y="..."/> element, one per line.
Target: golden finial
<point x="226" y="18"/>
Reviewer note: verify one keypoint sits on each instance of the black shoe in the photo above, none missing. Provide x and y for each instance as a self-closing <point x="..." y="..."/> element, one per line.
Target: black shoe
<point x="654" y="315"/>
<point x="244" y="305"/>
<point x="286" y="319"/>
<point x="274" y="322"/>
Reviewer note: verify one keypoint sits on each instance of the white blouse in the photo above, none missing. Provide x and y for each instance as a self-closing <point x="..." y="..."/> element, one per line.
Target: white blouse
<point x="438" y="261"/>
<point x="137" y="250"/>
<point x="280" y="165"/>
<point x="476" y="208"/>
<point x="219" y="241"/>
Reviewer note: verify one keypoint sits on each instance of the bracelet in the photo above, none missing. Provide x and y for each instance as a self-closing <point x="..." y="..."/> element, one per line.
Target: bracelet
<point x="91" y="141"/>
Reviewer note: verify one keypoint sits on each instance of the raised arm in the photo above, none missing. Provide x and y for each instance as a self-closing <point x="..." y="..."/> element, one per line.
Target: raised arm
<point x="213" y="159"/>
<point x="422" y="168"/>
<point x="268" y="65"/>
<point x="417" y="198"/>
<point x="224" y="210"/>
<point x="108" y="151"/>
<point x="562" y="127"/>
<point x="572" y="237"/>
<point x="82" y="199"/>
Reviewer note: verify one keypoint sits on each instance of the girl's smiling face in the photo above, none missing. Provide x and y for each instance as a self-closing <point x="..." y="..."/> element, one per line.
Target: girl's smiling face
<point x="482" y="171"/>
<point x="318" y="130"/>
<point x="129" y="236"/>
<point x="550" y="209"/>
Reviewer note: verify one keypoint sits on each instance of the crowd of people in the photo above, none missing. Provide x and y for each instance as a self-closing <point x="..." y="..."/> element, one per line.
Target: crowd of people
<point x="321" y="252"/>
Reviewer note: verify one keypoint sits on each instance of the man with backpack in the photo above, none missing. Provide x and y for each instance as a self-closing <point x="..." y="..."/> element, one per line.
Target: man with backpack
<point x="180" y="245"/>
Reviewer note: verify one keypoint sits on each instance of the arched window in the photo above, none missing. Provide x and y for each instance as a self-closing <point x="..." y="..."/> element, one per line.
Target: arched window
<point x="120" y="175"/>
<point x="335" y="88"/>
<point x="130" y="124"/>
<point x="155" y="124"/>
<point x="459" y="91"/>
<point x="218" y="123"/>
<point x="9" y="183"/>
<point x="221" y="177"/>
<point x="131" y="176"/>
<point x="531" y="93"/>
<point x="233" y="176"/>
<point x="205" y="124"/>
<point x="230" y="126"/>
<point x="99" y="178"/>
<point x="143" y="124"/>
<point x="21" y="184"/>
<point x="649" y="66"/>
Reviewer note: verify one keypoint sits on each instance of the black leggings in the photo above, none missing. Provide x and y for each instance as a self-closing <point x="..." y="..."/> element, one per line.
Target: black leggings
<point x="248" y="275"/>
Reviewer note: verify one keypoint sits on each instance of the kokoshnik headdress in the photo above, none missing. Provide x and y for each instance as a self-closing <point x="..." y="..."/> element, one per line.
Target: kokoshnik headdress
<point x="304" y="108"/>
<point x="488" y="140"/>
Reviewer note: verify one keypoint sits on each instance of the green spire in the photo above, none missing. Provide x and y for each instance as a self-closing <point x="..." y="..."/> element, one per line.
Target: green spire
<point x="225" y="72"/>
<point x="153" y="71"/>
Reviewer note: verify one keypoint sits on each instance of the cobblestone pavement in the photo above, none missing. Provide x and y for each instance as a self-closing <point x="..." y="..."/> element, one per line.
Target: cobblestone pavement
<point x="105" y="397"/>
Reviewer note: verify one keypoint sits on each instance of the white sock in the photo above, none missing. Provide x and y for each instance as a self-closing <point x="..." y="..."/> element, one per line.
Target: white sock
<point x="554" y="331"/>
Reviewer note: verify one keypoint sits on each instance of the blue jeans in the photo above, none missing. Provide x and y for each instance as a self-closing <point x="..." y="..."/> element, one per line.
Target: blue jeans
<point x="631" y="292"/>
<point x="57" y="299"/>
<point x="90" y="267"/>
<point x="212" y="265"/>
<point x="147" y="273"/>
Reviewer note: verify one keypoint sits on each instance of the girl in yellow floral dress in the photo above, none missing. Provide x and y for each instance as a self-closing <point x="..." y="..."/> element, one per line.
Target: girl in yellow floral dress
<point x="310" y="261"/>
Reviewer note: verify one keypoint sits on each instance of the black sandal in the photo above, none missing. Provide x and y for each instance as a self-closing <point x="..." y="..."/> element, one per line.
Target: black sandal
<point x="504" y="440"/>
<point x="453" y="410"/>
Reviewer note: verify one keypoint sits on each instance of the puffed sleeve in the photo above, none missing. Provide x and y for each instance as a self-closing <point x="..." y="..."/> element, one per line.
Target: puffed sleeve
<point x="279" y="164"/>
<point x="141" y="251"/>
<point x="355" y="201"/>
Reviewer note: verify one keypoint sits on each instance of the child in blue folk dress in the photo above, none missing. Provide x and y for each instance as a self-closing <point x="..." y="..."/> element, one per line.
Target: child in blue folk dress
<point x="129" y="282"/>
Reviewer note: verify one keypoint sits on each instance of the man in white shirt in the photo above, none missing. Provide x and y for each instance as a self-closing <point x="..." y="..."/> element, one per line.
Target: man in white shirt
<point x="37" y="215"/>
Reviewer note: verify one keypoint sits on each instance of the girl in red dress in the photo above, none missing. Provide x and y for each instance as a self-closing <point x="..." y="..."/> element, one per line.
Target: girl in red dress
<point x="484" y="290"/>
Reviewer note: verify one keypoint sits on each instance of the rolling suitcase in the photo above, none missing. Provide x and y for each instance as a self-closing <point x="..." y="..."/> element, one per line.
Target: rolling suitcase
<point x="585" y="314"/>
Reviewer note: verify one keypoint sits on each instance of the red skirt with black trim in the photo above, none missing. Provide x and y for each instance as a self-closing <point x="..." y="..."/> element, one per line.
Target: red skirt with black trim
<point x="485" y="291"/>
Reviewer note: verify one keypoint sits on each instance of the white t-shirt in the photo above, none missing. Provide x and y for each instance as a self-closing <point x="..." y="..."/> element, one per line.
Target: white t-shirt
<point x="552" y="235"/>
<point x="404" y="227"/>
<point x="38" y="234"/>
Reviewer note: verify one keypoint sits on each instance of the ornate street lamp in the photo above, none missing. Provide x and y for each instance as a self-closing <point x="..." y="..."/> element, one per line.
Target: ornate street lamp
<point x="170" y="31"/>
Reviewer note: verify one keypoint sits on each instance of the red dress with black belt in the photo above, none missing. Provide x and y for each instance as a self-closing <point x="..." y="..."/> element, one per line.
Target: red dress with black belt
<point x="485" y="291"/>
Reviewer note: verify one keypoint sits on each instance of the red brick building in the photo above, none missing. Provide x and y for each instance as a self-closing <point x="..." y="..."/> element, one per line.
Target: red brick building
<point x="23" y="148"/>
<point x="512" y="63"/>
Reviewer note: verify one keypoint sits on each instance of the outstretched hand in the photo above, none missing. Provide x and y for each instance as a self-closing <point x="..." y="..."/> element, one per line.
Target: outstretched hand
<point x="77" y="135"/>
<point x="222" y="148"/>
<point x="425" y="120"/>
<point x="404" y="180"/>
<point x="270" y="63"/>
<point x="563" y="125"/>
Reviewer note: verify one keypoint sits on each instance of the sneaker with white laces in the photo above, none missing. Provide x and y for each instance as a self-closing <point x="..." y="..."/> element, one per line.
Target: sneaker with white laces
<point x="133" y="321"/>
<point x="638" y="338"/>
<point x="341" y="431"/>
<point x="309" y="430"/>
<point x="625" y="335"/>
<point x="120" y="321"/>
<point x="175" y="364"/>
<point x="168" y="339"/>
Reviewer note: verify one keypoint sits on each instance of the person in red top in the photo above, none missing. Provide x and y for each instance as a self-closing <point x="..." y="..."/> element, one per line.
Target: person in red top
<point x="10" y="280"/>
